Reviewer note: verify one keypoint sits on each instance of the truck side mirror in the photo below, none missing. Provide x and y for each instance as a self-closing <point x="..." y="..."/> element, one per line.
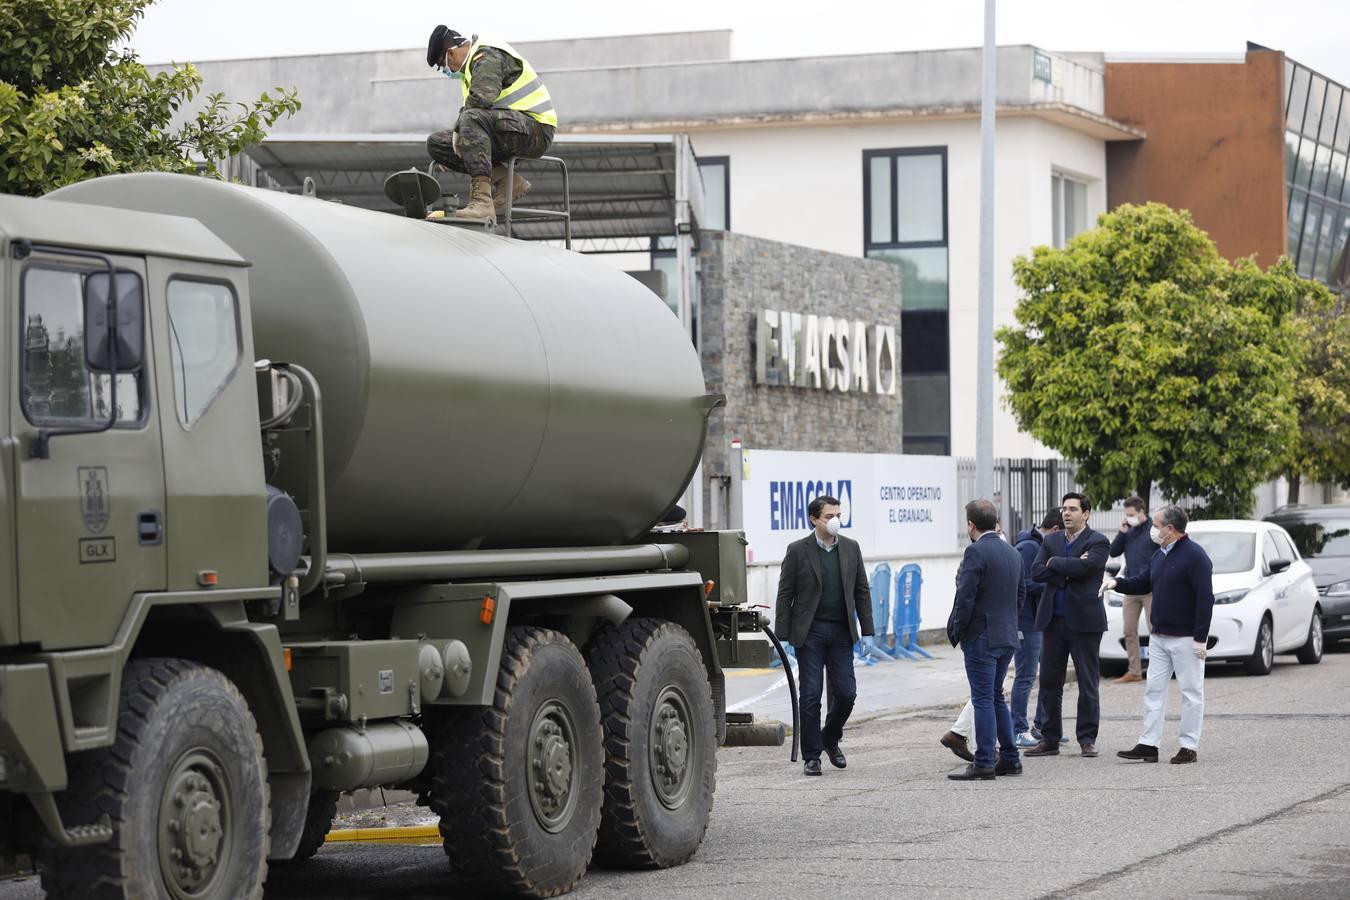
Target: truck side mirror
<point x="128" y="308"/>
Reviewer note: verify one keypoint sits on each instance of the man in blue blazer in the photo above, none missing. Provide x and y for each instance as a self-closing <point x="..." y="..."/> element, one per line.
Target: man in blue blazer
<point x="1073" y="619"/>
<point x="984" y="623"/>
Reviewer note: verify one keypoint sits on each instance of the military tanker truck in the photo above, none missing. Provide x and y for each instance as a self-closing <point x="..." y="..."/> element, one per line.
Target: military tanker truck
<point x="298" y="499"/>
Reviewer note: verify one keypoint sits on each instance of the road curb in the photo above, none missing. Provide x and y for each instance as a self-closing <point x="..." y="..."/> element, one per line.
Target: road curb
<point x="402" y="834"/>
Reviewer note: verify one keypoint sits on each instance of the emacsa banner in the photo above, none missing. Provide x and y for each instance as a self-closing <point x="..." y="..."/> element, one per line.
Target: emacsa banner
<point x="893" y="505"/>
<point x="790" y="502"/>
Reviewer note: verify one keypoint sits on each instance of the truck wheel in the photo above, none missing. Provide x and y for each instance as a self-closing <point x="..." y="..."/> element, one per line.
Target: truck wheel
<point x="518" y="784"/>
<point x="660" y="744"/>
<point x="318" y="821"/>
<point x="185" y="786"/>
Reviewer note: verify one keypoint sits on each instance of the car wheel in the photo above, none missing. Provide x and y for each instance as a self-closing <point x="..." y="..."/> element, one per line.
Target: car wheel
<point x="1262" y="659"/>
<point x="1311" y="652"/>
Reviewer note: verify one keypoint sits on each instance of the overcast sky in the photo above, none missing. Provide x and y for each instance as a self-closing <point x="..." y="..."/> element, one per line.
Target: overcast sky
<point x="1314" y="32"/>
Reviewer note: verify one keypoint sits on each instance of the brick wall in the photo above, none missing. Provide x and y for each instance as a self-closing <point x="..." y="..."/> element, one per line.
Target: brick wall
<point x="741" y="275"/>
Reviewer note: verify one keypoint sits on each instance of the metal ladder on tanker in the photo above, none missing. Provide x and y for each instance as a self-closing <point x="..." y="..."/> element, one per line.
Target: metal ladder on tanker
<point x="415" y="191"/>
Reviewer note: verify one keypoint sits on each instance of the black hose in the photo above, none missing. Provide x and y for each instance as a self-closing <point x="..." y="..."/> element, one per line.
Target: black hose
<point x="792" y="687"/>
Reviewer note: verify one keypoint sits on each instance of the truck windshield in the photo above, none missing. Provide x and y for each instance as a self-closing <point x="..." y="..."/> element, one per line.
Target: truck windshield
<point x="1329" y="537"/>
<point x="58" y="387"/>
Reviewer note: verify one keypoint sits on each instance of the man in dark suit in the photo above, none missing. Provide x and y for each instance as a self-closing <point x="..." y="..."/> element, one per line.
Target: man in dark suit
<point x="1073" y="619"/>
<point x="823" y="602"/>
<point x="984" y="623"/>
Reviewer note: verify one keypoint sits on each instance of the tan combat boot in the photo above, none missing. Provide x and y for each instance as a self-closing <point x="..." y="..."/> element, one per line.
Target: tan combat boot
<point x="520" y="189"/>
<point x="480" y="201"/>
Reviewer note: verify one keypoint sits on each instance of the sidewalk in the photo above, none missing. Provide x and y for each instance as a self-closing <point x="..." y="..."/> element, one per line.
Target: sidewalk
<point x="884" y="688"/>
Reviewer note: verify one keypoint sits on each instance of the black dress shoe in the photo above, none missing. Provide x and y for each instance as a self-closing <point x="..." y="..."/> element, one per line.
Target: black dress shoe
<point x="1007" y="768"/>
<point x="1183" y="756"/>
<point x="1044" y="748"/>
<point x="811" y="767"/>
<point x="836" y="756"/>
<point x="1140" y="751"/>
<point x="973" y="773"/>
<point x="957" y="744"/>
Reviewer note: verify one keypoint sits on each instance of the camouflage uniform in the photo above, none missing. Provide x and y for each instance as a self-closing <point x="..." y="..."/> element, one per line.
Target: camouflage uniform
<point x="488" y="136"/>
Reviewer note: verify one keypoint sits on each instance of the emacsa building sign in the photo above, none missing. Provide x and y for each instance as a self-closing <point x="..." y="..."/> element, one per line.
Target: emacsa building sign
<point x="790" y="502"/>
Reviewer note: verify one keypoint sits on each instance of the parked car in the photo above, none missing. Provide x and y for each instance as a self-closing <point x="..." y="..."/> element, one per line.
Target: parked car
<point x="1265" y="601"/>
<point x="1322" y="536"/>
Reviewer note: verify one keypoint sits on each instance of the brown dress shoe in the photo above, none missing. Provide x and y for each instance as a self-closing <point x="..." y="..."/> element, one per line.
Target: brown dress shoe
<point x="1129" y="678"/>
<point x="1044" y="748"/>
<point x="1184" y="756"/>
<point x="1088" y="749"/>
<point x="957" y="744"/>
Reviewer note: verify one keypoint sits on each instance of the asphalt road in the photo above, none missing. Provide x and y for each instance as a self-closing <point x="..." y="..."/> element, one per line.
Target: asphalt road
<point x="1265" y="813"/>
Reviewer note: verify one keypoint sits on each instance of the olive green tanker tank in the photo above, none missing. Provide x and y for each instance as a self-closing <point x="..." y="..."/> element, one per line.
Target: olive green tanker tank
<point x="478" y="393"/>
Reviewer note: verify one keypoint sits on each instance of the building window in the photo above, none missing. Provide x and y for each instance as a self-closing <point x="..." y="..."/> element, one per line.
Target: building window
<point x="716" y="172"/>
<point x="905" y="224"/>
<point x="1068" y="200"/>
<point x="1317" y="170"/>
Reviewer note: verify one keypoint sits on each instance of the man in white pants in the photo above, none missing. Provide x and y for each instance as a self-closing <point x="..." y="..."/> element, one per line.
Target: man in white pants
<point x="1180" y="577"/>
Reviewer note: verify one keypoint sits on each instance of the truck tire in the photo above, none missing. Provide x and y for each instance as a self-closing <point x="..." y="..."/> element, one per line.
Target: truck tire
<point x="518" y="784"/>
<point x="318" y="822"/>
<point x="185" y="786"/>
<point x="660" y="744"/>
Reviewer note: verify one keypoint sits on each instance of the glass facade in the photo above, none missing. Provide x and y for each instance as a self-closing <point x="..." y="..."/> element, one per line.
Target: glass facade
<point x="905" y="223"/>
<point x="1317" y="156"/>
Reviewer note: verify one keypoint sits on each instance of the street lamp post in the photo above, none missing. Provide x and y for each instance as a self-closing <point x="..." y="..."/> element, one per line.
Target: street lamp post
<point x="984" y="391"/>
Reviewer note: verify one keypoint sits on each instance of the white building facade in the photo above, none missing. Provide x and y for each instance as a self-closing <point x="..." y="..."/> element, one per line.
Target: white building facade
<point x="872" y="155"/>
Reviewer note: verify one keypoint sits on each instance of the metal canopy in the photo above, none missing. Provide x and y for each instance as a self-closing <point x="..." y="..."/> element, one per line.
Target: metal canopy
<point x="625" y="189"/>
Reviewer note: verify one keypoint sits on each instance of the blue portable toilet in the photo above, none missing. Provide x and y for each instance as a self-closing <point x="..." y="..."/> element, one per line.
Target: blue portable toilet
<point x="887" y="634"/>
<point x="909" y="589"/>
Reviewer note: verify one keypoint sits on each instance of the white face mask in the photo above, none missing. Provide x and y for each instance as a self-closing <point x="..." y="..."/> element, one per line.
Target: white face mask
<point x="1155" y="534"/>
<point x="1132" y="521"/>
<point x="832" y="526"/>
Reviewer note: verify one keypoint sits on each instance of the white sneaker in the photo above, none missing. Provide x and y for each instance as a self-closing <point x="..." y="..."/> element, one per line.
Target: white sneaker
<point x="1026" y="740"/>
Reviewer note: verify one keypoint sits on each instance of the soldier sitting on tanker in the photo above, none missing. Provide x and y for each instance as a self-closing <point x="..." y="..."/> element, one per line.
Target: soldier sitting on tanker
<point x="507" y="112"/>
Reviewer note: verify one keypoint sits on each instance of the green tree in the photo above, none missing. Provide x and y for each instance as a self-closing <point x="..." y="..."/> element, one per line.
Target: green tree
<point x="1142" y="355"/>
<point x="73" y="105"/>
<point x="1322" y="331"/>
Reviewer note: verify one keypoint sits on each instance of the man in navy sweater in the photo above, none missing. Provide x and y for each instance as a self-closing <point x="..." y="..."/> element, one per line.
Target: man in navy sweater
<point x="1180" y="577"/>
<point x="1134" y="542"/>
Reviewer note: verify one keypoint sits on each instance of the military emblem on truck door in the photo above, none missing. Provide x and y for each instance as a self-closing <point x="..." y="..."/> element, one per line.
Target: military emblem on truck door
<point x="94" y="499"/>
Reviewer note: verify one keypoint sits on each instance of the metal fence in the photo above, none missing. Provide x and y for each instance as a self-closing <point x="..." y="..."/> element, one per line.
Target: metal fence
<point x="1025" y="490"/>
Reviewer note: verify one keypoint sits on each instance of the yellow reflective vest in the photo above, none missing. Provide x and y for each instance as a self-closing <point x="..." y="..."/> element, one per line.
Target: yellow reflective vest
<point x="526" y="94"/>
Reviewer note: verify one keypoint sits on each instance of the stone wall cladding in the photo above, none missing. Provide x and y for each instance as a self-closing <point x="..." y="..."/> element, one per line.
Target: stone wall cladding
<point x="741" y="275"/>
